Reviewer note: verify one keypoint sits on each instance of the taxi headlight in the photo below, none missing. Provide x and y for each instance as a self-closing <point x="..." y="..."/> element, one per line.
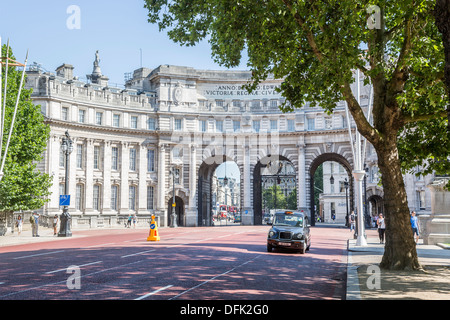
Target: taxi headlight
<point x="272" y="233"/>
<point x="298" y="236"/>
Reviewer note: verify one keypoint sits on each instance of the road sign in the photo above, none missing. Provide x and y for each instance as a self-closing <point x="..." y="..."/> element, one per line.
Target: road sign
<point x="64" y="200"/>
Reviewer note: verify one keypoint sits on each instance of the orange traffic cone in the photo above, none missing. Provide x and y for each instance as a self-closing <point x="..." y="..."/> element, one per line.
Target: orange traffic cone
<point x="153" y="236"/>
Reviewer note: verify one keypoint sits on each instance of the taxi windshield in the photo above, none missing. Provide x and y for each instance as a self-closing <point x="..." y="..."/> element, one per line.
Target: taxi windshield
<point x="290" y="220"/>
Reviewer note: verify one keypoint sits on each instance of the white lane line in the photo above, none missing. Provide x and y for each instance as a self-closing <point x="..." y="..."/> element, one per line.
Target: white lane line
<point x="38" y="254"/>
<point x="83" y="265"/>
<point x="154" y="292"/>
<point x="213" y="278"/>
<point x="136" y="254"/>
<point x="65" y="281"/>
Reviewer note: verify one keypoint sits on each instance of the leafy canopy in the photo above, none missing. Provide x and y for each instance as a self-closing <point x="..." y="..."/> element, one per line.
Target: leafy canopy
<point x="23" y="187"/>
<point x="315" y="46"/>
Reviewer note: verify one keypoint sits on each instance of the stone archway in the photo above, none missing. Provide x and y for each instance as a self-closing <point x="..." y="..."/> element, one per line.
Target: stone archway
<point x="179" y="210"/>
<point x="312" y="169"/>
<point x="258" y="175"/>
<point x="204" y="187"/>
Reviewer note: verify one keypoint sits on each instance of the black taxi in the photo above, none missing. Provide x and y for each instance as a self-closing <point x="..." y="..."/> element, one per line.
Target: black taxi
<point x="290" y="230"/>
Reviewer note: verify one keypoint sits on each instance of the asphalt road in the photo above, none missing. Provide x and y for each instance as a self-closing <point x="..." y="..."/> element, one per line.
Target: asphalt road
<point x="206" y="263"/>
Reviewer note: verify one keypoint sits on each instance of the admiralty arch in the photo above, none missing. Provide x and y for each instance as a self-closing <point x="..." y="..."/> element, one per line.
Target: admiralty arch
<point x="166" y="131"/>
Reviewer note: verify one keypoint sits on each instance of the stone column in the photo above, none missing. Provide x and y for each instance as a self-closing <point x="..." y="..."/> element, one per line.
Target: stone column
<point x="124" y="186"/>
<point x="53" y="151"/>
<point x="73" y="176"/>
<point x="192" y="212"/>
<point x="106" y="168"/>
<point x="301" y="178"/>
<point x="435" y="228"/>
<point x="161" y="190"/>
<point x="142" y="189"/>
<point x="247" y="209"/>
<point x="89" y="174"/>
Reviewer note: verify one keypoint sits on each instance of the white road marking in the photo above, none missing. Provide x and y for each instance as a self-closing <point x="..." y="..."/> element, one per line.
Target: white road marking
<point x="38" y="254"/>
<point x="213" y="278"/>
<point x="83" y="265"/>
<point x="154" y="292"/>
<point x="136" y="254"/>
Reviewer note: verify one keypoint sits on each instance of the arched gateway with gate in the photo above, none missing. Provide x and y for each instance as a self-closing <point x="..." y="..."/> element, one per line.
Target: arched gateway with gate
<point x="170" y="129"/>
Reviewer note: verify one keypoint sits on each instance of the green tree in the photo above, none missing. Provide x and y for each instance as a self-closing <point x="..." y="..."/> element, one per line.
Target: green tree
<point x="274" y="198"/>
<point x="291" y="200"/>
<point x="23" y="186"/>
<point x="316" y="46"/>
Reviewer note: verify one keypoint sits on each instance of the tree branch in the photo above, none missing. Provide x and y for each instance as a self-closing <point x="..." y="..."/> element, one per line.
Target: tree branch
<point x="424" y="117"/>
<point x="309" y="35"/>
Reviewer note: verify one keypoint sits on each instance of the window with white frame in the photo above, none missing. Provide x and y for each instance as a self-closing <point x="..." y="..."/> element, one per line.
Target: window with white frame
<point x="97" y="157"/>
<point x="132" y="198"/>
<point x="96" y="197"/>
<point x="132" y="166"/>
<point x="256" y="125"/>
<point x="219" y="125"/>
<point x="114" y="158"/>
<point x="79" y="196"/>
<point x="114" y="197"/>
<point x="99" y="118"/>
<point x="150" y="160"/>
<point x="151" y="124"/>
<point x="311" y="123"/>
<point x="133" y="122"/>
<point x="81" y="115"/>
<point x="150" y="194"/>
<point x="273" y="125"/>
<point x="178" y="124"/>
<point x="236" y="125"/>
<point x="79" y="156"/>
<point x="291" y="125"/>
<point x="64" y="113"/>
<point x="116" y="120"/>
<point x="202" y="125"/>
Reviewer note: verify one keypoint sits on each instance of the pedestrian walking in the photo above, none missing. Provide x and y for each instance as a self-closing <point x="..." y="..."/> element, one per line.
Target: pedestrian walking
<point x="415" y="226"/>
<point x="35" y="223"/>
<point x="134" y="221"/>
<point x="129" y="221"/>
<point x="351" y="221"/>
<point x="19" y="224"/>
<point x="381" y="227"/>
<point x="55" y="223"/>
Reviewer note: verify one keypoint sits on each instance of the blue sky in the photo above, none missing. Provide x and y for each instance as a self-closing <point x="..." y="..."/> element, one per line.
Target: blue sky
<point x="118" y="29"/>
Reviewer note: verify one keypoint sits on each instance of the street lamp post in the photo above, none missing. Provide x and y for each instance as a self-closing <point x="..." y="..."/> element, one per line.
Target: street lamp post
<point x="67" y="148"/>
<point x="346" y="201"/>
<point x="173" y="222"/>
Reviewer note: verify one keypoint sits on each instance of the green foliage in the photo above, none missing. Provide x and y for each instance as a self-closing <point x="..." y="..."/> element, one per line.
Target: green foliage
<point x="315" y="45"/>
<point x="274" y="198"/>
<point x="23" y="187"/>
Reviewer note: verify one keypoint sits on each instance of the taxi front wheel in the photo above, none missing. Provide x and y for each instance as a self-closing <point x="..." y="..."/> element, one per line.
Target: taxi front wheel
<point x="269" y="248"/>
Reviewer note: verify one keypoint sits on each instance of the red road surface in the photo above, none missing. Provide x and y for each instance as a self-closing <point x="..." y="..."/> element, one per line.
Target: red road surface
<point x="220" y="263"/>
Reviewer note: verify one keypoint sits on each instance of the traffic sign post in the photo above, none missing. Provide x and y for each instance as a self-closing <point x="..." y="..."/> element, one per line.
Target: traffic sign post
<point x="64" y="200"/>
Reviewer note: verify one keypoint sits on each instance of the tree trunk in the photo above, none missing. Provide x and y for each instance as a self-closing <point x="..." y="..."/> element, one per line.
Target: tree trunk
<point x="400" y="248"/>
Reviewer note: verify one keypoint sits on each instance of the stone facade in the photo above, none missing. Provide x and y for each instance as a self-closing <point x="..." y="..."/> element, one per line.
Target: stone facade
<point x="127" y="142"/>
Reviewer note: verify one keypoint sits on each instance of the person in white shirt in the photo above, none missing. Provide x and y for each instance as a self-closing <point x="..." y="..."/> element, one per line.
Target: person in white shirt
<point x="381" y="227"/>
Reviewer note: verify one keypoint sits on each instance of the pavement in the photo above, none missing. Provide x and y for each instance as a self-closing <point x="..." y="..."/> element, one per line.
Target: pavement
<point x="433" y="257"/>
<point x="431" y="284"/>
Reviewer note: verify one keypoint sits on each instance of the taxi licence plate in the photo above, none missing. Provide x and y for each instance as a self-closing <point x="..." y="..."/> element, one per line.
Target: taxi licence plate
<point x="287" y="244"/>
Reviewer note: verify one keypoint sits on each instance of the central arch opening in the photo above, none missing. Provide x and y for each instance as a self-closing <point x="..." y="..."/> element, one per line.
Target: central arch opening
<point x="331" y="189"/>
<point x="219" y="192"/>
<point x="274" y="187"/>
